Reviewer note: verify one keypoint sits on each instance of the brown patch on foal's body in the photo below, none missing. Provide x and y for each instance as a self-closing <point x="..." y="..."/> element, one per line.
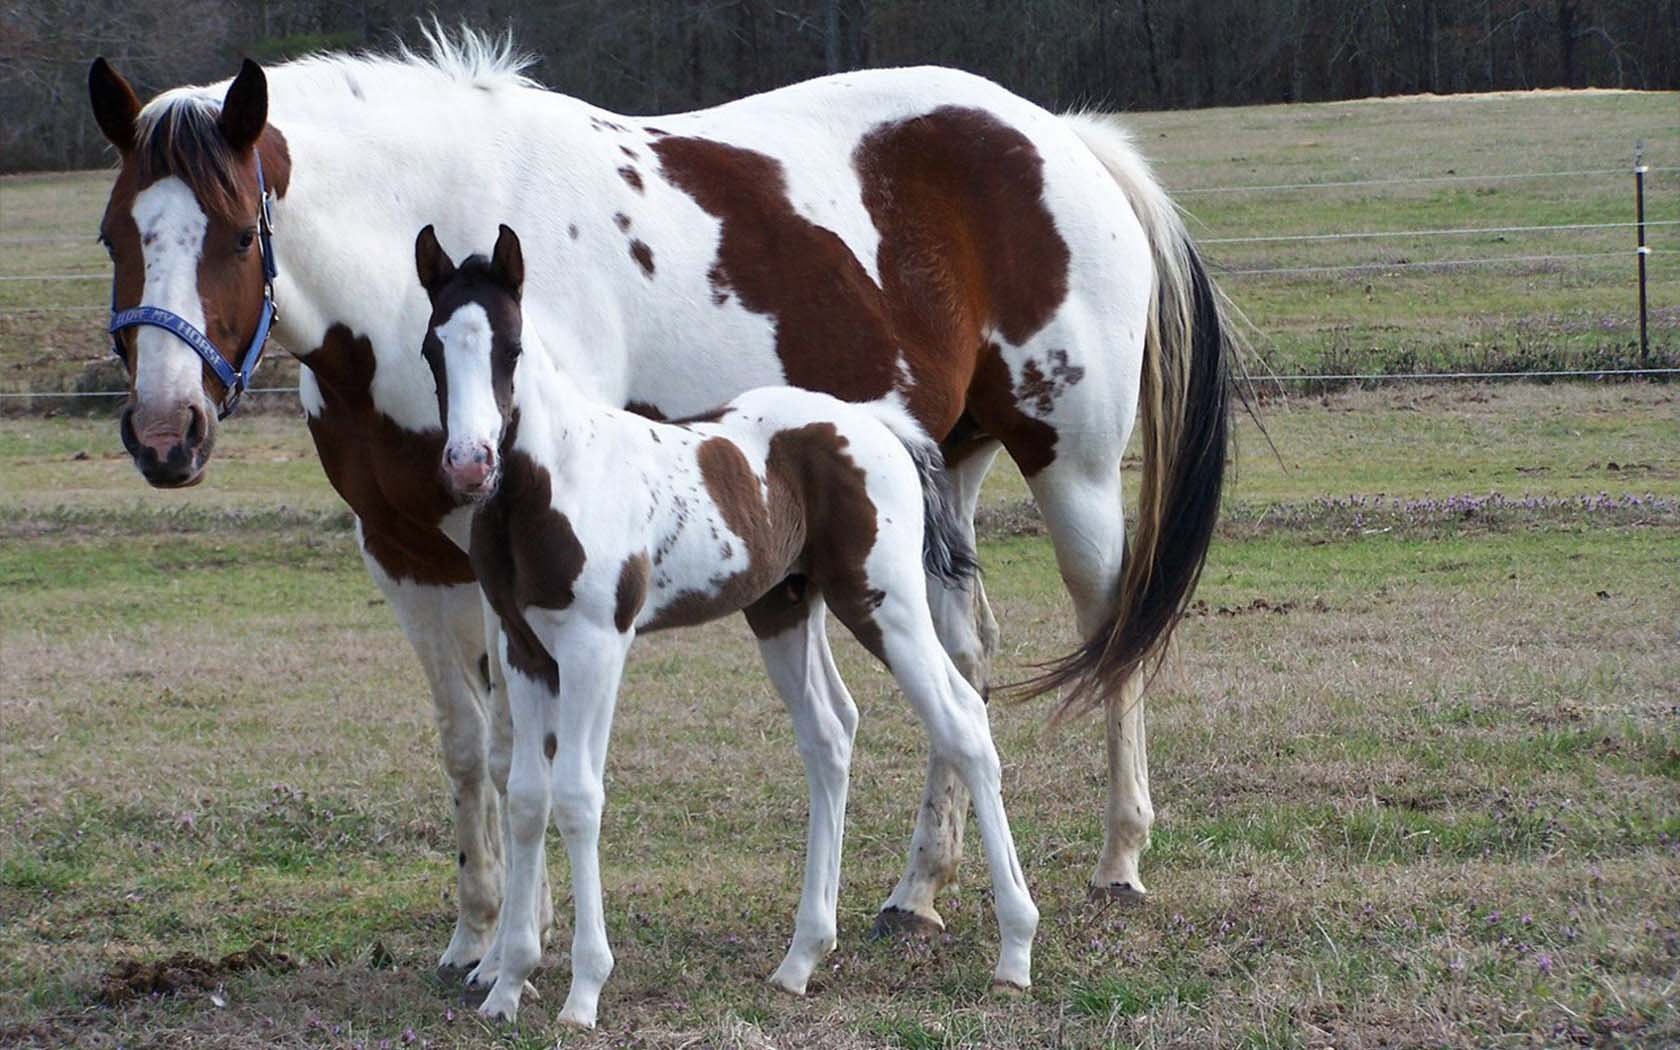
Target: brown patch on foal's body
<point x="968" y="248"/>
<point x="809" y="517"/>
<point x="386" y="473"/>
<point x="631" y="591"/>
<point x="526" y="554"/>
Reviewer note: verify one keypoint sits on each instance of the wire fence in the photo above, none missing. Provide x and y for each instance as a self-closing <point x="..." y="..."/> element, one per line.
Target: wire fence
<point x="1372" y="267"/>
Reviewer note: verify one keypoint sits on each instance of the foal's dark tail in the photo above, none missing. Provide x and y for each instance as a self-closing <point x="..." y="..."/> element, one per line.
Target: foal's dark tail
<point x="946" y="551"/>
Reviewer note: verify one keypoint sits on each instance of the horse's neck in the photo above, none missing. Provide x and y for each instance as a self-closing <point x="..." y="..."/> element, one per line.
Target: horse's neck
<point x="365" y="179"/>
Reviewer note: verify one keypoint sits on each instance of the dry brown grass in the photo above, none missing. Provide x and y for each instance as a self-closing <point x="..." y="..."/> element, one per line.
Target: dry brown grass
<point x="1431" y="802"/>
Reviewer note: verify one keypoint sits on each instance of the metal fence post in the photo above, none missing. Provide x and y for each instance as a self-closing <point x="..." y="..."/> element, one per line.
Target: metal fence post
<point x="1639" y="169"/>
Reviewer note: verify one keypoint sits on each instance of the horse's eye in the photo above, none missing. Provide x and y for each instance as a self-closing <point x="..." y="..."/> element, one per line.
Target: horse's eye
<point x="110" y="249"/>
<point x="246" y="239"/>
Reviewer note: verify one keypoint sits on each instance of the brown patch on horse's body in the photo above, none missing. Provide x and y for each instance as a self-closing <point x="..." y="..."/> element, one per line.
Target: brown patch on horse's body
<point x="994" y="400"/>
<point x="967" y="248"/>
<point x="632" y="177"/>
<point x="770" y="526"/>
<point x="525" y="554"/>
<point x="643" y="255"/>
<point x="387" y="474"/>
<point x="832" y="330"/>
<point x="962" y="189"/>
<point x="1042" y="389"/>
<point x="645" y="409"/>
<point x="631" y="591"/>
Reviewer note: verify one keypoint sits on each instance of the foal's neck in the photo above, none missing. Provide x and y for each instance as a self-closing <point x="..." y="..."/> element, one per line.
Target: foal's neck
<point x="556" y="417"/>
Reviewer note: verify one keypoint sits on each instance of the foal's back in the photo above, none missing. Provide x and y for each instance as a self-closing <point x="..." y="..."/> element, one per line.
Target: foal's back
<point x="720" y="509"/>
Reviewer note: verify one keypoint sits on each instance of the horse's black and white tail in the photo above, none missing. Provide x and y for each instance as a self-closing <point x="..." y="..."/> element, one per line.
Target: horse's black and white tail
<point x="947" y="552"/>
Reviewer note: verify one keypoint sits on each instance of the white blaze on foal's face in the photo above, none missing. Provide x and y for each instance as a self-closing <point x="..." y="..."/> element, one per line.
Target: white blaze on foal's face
<point x="471" y="347"/>
<point x="471" y="419"/>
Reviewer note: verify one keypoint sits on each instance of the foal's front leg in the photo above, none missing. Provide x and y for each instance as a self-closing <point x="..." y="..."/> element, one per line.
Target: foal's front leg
<point x="559" y="759"/>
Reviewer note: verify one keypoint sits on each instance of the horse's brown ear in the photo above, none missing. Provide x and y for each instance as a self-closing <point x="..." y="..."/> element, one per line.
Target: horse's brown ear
<point x="245" y="109"/>
<point x="115" y="107"/>
<point x="508" y="262"/>
<point x="431" y="262"/>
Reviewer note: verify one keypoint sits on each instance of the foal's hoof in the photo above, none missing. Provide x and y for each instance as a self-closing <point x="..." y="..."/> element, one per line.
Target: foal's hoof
<point x="1123" y="892"/>
<point x="900" y="922"/>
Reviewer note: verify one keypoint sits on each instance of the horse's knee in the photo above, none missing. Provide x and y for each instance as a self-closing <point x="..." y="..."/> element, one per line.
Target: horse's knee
<point x="527" y="805"/>
<point x="577" y="807"/>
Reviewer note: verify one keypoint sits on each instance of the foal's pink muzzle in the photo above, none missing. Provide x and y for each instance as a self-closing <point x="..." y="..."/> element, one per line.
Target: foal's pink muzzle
<point x="470" y="471"/>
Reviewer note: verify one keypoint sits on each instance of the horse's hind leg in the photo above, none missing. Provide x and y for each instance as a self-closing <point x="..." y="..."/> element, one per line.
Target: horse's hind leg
<point x="1082" y="510"/>
<point x="824" y="721"/>
<point x="968" y="632"/>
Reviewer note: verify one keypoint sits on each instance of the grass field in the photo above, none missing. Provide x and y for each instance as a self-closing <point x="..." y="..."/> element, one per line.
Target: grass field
<point x="1417" y="772"/>
<point x="1519" y="316"/>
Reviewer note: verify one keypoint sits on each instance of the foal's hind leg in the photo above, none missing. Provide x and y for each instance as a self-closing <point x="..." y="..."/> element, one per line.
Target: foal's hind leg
<point x="955" y="718"/>
<point x="969" y="634"/>
<point x="825" y="722"/>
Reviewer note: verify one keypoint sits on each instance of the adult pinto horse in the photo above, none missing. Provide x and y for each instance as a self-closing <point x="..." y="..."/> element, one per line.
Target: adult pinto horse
<point x="1014" y="278"/>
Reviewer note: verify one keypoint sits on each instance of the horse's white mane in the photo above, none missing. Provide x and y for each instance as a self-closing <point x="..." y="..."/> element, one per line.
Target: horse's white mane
<point x="464" y="57"/>
<point x="472" y="56"/>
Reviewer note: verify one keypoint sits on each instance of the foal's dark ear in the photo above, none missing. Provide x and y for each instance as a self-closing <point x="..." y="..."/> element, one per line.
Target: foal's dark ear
<point x="431" y="262"/>
<point x="508" y="262"/>
<point x="245" y="109"/>
<point x="115" y="107"/>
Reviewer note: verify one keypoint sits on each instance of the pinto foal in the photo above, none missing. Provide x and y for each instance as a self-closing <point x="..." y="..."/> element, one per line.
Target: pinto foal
<point x="595" y="523"/>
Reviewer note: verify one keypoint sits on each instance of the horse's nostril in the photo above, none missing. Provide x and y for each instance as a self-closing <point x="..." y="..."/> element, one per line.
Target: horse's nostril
<point x="195" y="426"/>
<point x="482" y="454"/>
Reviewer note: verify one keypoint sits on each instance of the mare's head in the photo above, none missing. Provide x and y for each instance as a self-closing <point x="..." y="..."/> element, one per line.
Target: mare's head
<point x="472" y="345"/>
<point x="182" y="229"/>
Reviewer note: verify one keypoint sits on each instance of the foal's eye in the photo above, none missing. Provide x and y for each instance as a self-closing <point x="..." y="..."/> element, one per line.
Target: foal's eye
<point x="246" y="239"/>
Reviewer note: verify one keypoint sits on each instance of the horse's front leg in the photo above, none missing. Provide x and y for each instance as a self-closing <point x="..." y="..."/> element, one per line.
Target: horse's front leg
<point x="443" y="625"/>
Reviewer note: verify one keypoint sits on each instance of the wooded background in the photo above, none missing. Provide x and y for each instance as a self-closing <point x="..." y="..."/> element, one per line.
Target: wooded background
<point x="641" y="56"/>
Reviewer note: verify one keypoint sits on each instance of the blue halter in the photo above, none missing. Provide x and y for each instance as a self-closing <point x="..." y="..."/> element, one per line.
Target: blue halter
<point x="157" y="317"/>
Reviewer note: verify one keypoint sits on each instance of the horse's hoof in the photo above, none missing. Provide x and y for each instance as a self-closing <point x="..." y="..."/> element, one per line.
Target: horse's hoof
<point x="1008" y="989"/>
<point x="494" y="1010"/>
<point x="785" y="985"/>
<point x="900" y="922"/>
<point x="1123" y="892"/>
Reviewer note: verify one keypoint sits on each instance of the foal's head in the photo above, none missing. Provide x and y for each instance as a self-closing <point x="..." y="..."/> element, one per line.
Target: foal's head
<point x="472" y="345"/>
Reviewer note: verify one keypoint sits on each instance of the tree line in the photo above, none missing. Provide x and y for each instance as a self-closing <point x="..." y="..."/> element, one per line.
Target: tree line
<point x="646" y="56"/>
